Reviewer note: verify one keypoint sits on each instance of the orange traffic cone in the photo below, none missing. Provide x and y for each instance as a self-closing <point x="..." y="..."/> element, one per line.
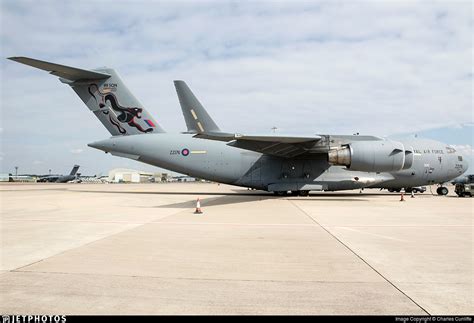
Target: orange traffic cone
<point x="401" y="197"/>
<point x="198" y="207"/>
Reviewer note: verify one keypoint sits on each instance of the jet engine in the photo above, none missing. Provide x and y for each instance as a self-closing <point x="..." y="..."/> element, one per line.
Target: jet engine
<point x="373" y="156"/>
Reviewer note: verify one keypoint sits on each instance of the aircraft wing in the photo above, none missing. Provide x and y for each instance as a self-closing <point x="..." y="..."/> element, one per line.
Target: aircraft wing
<point x="200" y="123"/>
<point x="281" y="146"/>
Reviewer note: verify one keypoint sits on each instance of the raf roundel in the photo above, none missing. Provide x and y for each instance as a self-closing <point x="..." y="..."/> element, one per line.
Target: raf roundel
<point x="185" y="152"/>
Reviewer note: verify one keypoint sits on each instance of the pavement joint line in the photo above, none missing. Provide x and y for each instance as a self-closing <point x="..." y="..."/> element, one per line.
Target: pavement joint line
<point x="241" y="224"/>
<point x="195" y="278"/>
<point x="35" y="190"/>
<point x="221" y="279"/>
<point x="360" y="257"/>
<point x="171" y="223"/>
<point x="76" y="221"/>
<point x="158" y="221"/>
<point x="372" y="234"/>
<point x="30" y="264"/>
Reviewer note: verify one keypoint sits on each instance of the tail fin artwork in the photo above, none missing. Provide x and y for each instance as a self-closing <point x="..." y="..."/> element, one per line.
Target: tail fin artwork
<point x="196" y="117"/>
<point x="105" y="95"/>
<point x="74" y="170"/>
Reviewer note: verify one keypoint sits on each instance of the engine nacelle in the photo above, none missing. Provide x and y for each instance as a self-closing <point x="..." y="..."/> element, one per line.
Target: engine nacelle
<point x="373" y="156"/>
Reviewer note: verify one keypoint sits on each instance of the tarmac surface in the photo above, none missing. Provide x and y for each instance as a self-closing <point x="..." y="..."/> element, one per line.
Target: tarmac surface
<point x="140" y="249"/>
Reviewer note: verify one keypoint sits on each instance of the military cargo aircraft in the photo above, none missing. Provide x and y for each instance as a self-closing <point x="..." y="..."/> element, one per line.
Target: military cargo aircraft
<point x="60" y="178"/>
<point x="274" y="163"/>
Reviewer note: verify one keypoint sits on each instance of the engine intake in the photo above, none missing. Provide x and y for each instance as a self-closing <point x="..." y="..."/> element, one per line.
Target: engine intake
<point x="373" y="156"/>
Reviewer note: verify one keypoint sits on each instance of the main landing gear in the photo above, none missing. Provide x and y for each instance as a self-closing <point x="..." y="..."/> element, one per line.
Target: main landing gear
<point x="293" y="193"/>
<point x="442" y="190"/>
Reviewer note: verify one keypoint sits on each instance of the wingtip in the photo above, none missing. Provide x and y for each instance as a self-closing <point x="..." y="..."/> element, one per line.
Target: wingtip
<point x="18" y="59"/>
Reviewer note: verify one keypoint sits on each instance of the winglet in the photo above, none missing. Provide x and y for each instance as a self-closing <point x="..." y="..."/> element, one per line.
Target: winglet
<point x="66" y="72"/>
<point x="196" y="117"/>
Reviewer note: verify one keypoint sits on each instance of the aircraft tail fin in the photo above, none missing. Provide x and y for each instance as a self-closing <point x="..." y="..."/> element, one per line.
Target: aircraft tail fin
<point x="104" y="93"/>
<point x="196" y="117"/>
<point x="74" y="170"/>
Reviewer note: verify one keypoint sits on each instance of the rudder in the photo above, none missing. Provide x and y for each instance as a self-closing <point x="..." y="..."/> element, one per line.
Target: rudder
<point x="105" y="95"/>
<point x="115" y="106"/>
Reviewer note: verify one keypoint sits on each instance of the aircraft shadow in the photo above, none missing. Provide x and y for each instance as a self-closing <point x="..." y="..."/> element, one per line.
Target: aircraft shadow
<point x="177" y="193"/>
<point x="239" y="196"/>
<point x="246" y="193"/>
<point x="238" y="199"/>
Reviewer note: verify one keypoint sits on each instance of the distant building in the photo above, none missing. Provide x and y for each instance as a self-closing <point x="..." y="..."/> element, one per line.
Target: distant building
<point x="22" y="178"/>
<point x="123" y="175"/>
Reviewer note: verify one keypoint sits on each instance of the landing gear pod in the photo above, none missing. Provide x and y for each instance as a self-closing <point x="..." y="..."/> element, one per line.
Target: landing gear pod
<point x="372" y="156"/>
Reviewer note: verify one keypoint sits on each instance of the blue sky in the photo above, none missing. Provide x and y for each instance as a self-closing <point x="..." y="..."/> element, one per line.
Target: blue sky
<point x="384" y="68"/>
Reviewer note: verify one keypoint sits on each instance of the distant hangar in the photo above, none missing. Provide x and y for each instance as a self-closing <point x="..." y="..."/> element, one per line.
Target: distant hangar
<point x="124" y="175"/>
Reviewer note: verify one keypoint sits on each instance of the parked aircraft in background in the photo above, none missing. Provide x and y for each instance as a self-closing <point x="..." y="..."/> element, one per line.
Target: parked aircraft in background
<point x="60" y="178"/>
<point x="275" y="163"/>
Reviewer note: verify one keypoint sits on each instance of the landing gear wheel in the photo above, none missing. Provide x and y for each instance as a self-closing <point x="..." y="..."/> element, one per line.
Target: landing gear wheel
<point x="280" y="193"/>
<point x="442" y="190"/>
<point x="295" y="193"/>
<point x="303" y="193"/>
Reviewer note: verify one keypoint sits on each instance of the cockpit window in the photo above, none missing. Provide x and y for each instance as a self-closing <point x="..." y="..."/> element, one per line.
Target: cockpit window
<point x="460" y="158"/>
<point x="450" y="150"/>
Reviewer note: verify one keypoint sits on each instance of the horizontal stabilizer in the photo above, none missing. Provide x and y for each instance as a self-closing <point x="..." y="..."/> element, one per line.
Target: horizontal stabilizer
<point x="66" y="72"/>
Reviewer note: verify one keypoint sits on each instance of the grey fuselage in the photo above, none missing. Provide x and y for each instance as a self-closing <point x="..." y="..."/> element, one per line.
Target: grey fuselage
<point x="434" y="162"/>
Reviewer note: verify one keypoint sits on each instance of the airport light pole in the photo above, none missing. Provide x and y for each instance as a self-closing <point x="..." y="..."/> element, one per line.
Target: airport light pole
<point x="16" y="171"/>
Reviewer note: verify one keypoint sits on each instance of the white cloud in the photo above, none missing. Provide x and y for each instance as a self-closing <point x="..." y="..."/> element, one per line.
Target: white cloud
<point x="370" y="67"/>
<point x="76" y="151"/>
